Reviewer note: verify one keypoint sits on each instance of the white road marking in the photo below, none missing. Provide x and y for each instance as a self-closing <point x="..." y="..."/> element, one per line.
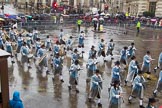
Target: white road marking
<point x="124" y="40"/>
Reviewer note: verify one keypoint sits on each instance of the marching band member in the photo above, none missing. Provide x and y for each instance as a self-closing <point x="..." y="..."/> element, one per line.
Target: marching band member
<point x="132" y="70"/>
<point x="138" y="88"/>
<point x="131" y="50"/>
<point x="25" y="51"/>
<point x="29" y="42"/>
<point x="75" y="56"/>
<point x="159" y="84"/>
<point x="115" y="72"/>
<point x="56" y="48"/>
<point x="12" y="35"/>
<point x="81" y="41"/>
<point x="74" y="75"/>
<point x="58" y="65"/>
<point x="9" y="49"/>
<point x="159" y="63"/>
<point x="42" y="54"/>
<point x="69" y="43"/>
<point x="1" y="43"/>
<point x="101" y="50"/>
<point x="92" y="52"/>
<point x="110" y="48"/>
<point x="96" y="87"/>
<point x="35" y="35"/>
<point x="151" y="103"/>
<point x="61" y="36"/>
<point x="146" y="66"/>
<point x="48" y="43"/>
<point x="37" y="45"/>
<point x="91" y="66"/>
<point x="115" y="96"/>
<point x="19" y="43"/>
<point x="123" y="55"/>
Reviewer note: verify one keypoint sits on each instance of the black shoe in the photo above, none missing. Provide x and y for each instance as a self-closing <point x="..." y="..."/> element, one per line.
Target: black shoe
<point x="47" y="72"/>
<point x="99" y="105"/>
<point x="148" y="78"/>
<point x="125" y="83"/>
<point x="12" y="62"/>
<point x="77" y="91"/>
<point x="89" y="100"/>
<point x="62" y="80"/>
<point x="154" y="94"/>
<point x="112" y="58"/>
<point x="69" y="87"/>
<point x="129" y="101"/>
<point x="155" y="70"/>
<point x="141" y="106"/>
<point x="29" y="67"/>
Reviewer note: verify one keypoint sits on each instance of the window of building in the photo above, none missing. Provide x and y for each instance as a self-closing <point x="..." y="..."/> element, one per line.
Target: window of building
<point x="152" y="6"/>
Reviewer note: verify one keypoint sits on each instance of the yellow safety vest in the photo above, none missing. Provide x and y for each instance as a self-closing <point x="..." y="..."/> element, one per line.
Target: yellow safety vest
<point x="138" y="24"/>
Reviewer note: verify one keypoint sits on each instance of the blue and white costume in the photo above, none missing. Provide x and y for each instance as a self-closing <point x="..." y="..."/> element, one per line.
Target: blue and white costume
<point x="115" y="74"/>
<point x="91" y="66"/>
<point x="92" y="52"/>
<point x="81" y="40"/>
<point x="44" y="62"/>
<point x="110" y="48"/>
<point x="19" y="44"/>
<point x="37" y="46"/>
<point x="12" y="35"/>
<point x="25" y="52"/>
<point x="96" y="87"/>
<point x="159" y="62"/>
<point x="56" y="49"/>
<point x="74" y="74"/>
<point x="1" y="43"/>
<point x="48" y="43"/>
<point x="146" y="63"/>
<point x="101" y="50"/>
<point x="159" y="84"/>
<point x="131" y="51"/>
<point x="69" y="43"/>
<point x="61" y="36"/>
<point x="75" y="56"/>
<point x="9" y="49"/>
<point x="58" y="65"/>
<point x="132" y="70"/>
<point x="123" y="56"/>
<point x="138" y="89"/>
<point x="115" y="99"/>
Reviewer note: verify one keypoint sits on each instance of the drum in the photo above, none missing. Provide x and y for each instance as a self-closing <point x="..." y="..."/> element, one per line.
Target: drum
<point x="62" y="51"/>
<point x="30" y="56"/>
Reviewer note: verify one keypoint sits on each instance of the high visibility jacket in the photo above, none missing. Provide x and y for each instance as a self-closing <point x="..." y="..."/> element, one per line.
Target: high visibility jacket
<point x="79" y="22"/>
<point x="138" y="24"/>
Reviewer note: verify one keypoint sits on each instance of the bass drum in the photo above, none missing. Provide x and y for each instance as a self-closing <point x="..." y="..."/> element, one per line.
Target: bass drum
<point x="62" y="50"/>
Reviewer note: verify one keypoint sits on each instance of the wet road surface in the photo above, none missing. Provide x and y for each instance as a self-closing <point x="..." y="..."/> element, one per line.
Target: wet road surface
<point x="39" y="91"/>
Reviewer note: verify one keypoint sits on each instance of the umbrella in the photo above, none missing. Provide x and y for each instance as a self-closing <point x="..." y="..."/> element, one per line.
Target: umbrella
<point x="101" y="19"/>
<point x="95" y="19"/>
<point x="103" y="14"/>
<point x="107" y="14"/>
<point x="96" y="15"/>
<point x="1" y="19"/>
<point x="153" y="20"/>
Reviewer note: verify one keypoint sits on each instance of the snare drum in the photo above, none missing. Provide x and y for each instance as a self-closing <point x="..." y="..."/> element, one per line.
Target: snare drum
<point x="30" y="56"/>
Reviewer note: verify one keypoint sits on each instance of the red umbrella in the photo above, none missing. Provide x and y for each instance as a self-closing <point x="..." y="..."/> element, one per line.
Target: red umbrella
<point x="7" y="15"/>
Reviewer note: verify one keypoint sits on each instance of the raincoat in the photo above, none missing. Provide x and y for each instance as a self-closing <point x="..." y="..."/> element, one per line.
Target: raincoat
<point x="16" y="101"/>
